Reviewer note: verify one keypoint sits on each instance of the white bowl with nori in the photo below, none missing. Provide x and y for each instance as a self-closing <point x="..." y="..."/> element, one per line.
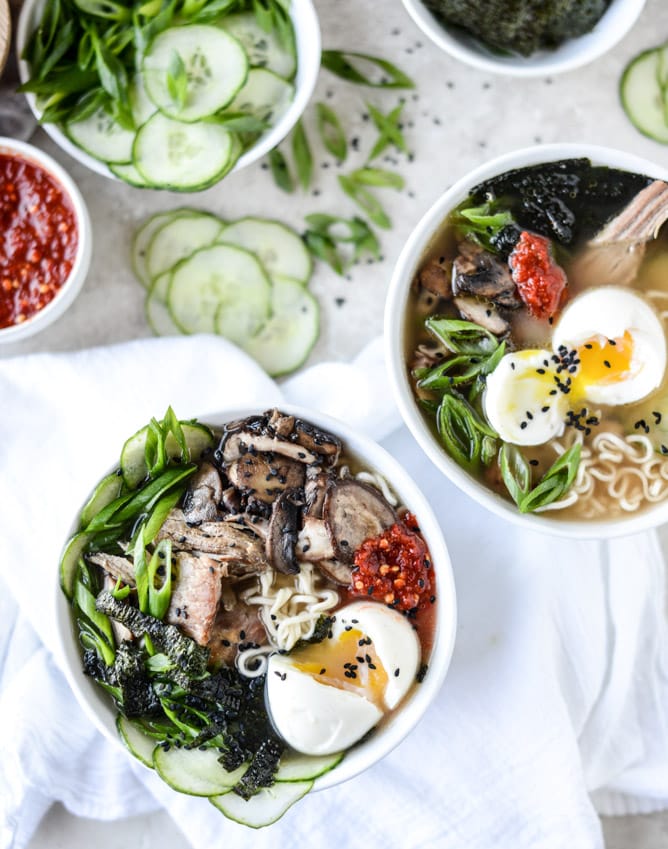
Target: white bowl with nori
<point x="572" y="53"/>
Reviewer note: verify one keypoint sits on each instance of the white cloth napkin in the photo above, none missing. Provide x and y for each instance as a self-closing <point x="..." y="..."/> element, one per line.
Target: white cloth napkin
<point x="556" y="703"/>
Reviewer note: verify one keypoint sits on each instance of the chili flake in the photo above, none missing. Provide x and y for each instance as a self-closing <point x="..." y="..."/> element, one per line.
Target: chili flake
<point x="541" y="283"/>
<point x="394" y="567"/>
<point x="38" y="239"/>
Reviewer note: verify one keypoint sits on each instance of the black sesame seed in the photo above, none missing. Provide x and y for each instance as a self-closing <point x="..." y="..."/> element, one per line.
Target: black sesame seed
<point x="523" y="425"/>
<point x="657" y="417"/>
<point x="323" y="670"/>
<point x="606" y="364"/>
<point x="533" y="462"/>
<point x="529" y="416"/>
<point x="544" y="409"/>
<point x="396" y="672"/>
<point x="589" y="346"/>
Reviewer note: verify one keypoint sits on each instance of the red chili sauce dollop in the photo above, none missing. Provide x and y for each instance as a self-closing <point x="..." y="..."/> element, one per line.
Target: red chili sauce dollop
<point x="38" y="239"/>
<point x="540" y="282"/>
<point x="395" y="567"/>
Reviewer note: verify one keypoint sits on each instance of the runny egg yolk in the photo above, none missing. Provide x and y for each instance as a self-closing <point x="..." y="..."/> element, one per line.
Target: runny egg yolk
<point x="602" y="361"/>
<point x="343" y="663"/>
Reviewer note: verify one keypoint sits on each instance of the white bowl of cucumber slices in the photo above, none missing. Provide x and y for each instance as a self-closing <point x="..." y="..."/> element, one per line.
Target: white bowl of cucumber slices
<point x="179" y="105"/>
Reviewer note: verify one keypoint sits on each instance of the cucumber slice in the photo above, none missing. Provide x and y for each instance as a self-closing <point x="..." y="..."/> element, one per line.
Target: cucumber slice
<point x="643" y="96"/>
<point x="139" y="744"/>
<point x="196" y="772"/>
<point x="179" y="238"/>
<point x="140" y="103"/>
<point x="298" y="767"/>
<point x="143" y="238"/>
<point x="214" y="63"/>
<point x="284" y="342"/>
<point x="183" y="157"/>
<point x="133" y="465"/>
<point x="265" y="807"/>
<point x="69" y="561"/>
<point x="102" y="137"/>
<point x="157" y="314"/>
<point x="127" y="172"/>
<point x="105" y="492"/>
<point x="264" y="49"/>
<point x="264" y="95"/>
<point x="279" y="249"/>
<point x="222" y="286"/>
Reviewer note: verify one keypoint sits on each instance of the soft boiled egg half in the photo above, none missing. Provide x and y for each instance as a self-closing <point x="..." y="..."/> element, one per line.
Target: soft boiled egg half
<point x="609" y="347"/>
<point x="324" y="697"/>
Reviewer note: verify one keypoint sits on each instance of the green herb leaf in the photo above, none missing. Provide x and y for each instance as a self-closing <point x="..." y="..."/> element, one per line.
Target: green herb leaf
<point x="554" y="484"/>
<point x="481" y="223"/>
<point x="462" y="337"/>
<point x="331" y="131"/>
<point x="366" y="201"/>
<point x="238" y="122"/>
<point x="350" y="66"/>
<point x="323" y="247"/>
<point x="327" y="232"/>
<point x="301" y="152"/>
<point x="388" y="129"/>
<point x="177" y="79"/>
<point x="104" y="9"/>
<point x="380" y="177"/>
<point x="515" y="471"/>
<point x="160" y="589"/>
<point x="462" y="430"/>
<point x="280" y="171"/>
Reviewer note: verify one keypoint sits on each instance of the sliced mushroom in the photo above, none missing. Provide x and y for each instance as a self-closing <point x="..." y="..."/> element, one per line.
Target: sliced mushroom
<point x="320" y="442"/>
<point x="204" y="494"/>
<point x="340" y="573"/>
<point x="281" y="424"/>
<point x="282" y="536"/>
<point x="478" y="272"/>
<point x="482" y="313"/>
<point x="426" y="355"/>
<point x="265" y="476"/>
<point x="354" y="512"/>
<point x="436" y="278"/>
<point x="314" y="541"/>
<point x="242" y="551"/>
<point x="315" y="489"/>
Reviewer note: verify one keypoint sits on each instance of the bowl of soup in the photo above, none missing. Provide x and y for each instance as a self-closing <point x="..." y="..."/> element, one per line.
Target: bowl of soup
<point x="262" y="605"/>
<point x="526" y="338"/>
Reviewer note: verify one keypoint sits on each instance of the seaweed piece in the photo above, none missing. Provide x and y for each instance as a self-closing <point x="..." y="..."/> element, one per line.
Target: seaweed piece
<point x="569" y="200"/>
<point x="322" y="628"/>
<point x="186" y="654"/>
<point x="137" y="695"/>
<point x="262" y="769"/>
<point x="520" y="26"/>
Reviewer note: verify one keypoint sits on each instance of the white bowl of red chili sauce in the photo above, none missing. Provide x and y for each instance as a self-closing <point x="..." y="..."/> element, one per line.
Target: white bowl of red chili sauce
<point x="402" y="321"/>
<point x="46" y="247"/>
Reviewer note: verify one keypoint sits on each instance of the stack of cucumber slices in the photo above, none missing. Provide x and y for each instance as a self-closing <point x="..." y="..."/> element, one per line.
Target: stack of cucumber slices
<point x="198" y="772"/>
<point x="245" y="280"/>
<point x="202" y="94"/>
<point x="644" y="93"/>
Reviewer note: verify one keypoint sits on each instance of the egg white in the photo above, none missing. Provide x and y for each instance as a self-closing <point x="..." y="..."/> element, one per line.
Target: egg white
<point x="517" y="399"/>
<point x="609" y="312"/>
<point x="318" y="718"/>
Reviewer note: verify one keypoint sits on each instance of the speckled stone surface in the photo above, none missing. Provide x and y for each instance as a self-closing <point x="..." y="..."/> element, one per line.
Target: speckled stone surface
<point x="456" y="119"/>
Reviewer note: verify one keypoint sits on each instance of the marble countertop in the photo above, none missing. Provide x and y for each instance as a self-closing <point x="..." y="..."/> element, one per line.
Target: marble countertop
<point x="456" y="119"/>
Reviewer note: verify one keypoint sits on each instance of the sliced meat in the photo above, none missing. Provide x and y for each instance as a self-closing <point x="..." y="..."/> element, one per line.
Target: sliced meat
<point x="354" y="512"/>
<point x="255" y="524"/>
<point x="641" y="220"/>
<point x="196" y="592"/>
<point x="232" y="500"/>
<point x="268" y="433"/>
<point x="436" y="278"/>
<point x="282" y="536"/>
<point x="205" y="493"/>
<point x="233" y="628"/>
<point x="115" y="565"/>
<point x="482" y="313"/>
<point x="266" y="476"/>
<point x="478" y="272"/>
<point x="314" y="542"/>
<point x="242" y="551"/>
<point x="615" y="264"/>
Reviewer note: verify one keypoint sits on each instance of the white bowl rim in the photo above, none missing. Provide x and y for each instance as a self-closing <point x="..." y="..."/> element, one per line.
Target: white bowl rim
<point x="77" y="276"/>
<point x="613" y="25"/>
<point x="307" y="34"/>
<point x="99" y="707"/>
<point x="402" y="277"/>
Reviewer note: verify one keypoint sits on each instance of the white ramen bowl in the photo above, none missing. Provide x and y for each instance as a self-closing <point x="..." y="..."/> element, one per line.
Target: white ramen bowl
<point x="573" y="53"/>
<point x="100" y="708"/>
<point x="307" y="37"/>
<point x="408" y="264"/>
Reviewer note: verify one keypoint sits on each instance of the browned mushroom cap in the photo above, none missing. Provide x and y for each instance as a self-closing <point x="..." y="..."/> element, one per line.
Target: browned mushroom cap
<point x="204" y="494"/>
<point x="436" y="278"/>
<point x="314" y="541"/>
<point x="266" y="476"/>
<point x="283" y="529"/>
<point x="354" y="512"/>
<point x="479" y="273"/>
<point x="315" y="490"/>
<point x="276" y="432"/>
<point x="482" y="313"/>
<point x="339" y="573"/>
